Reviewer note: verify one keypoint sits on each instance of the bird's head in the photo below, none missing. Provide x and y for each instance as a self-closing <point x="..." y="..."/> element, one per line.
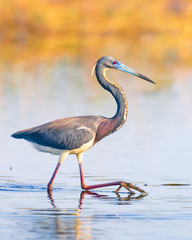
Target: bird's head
<point x="111" y="62"/>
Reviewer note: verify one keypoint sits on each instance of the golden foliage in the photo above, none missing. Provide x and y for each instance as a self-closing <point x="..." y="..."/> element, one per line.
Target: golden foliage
<point x="158" y="30"/>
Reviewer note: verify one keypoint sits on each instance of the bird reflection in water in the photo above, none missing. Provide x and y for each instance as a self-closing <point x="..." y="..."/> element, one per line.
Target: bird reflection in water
<point x="121" y="200"/>
<point x="75" y="223"/>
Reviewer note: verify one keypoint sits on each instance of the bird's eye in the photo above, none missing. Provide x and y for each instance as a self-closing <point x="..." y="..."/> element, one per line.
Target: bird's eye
<point x="114" y="62"/>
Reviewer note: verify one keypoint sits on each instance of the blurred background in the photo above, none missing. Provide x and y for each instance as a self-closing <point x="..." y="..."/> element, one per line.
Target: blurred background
<point x="158" y="32"/>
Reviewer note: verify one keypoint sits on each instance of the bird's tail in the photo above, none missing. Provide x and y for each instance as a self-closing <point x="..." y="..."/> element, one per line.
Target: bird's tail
<point x="19" y="134"/>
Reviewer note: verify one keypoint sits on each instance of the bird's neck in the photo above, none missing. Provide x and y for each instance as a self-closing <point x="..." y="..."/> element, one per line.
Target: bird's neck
<point x="117" y="92"/>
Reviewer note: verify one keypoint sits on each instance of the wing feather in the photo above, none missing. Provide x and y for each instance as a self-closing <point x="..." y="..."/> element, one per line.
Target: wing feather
<point x="64" y="134"/>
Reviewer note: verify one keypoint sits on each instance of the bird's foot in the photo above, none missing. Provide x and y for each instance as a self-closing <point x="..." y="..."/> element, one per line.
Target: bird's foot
<point x="128" y="186"/>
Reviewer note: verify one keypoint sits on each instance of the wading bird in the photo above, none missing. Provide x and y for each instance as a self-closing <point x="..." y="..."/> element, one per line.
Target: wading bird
<point x="75" y="135"/>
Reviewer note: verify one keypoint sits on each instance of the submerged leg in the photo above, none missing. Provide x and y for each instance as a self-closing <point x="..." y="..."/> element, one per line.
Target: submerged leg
<point x="61" y="159"/>
<point x="121" y="184"/>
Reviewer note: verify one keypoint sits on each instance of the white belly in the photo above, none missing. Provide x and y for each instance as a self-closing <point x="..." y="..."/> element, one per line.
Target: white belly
<point x="48" y="149"/>
<point x="56" y="151"/>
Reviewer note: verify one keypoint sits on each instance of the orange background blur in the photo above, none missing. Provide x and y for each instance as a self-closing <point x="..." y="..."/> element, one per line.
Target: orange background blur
<point x="159" y="31"/>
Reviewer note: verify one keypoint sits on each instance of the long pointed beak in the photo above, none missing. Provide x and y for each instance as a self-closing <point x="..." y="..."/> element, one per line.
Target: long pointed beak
<point x="124" y="68"/>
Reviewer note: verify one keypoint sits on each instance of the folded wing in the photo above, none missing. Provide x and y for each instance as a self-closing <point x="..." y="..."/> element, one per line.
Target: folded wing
<point x="64" y="134"/>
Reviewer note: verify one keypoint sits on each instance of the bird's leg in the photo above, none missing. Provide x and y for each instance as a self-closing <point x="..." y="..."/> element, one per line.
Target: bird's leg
<point x="121" y="184"/>
<point x="61" y="159"/>
<point x="80" y="158"/>
<point x="50" y="184"/>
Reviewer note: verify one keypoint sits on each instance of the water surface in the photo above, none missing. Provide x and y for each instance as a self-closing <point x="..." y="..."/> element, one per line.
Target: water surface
<point x="152" y="150"/>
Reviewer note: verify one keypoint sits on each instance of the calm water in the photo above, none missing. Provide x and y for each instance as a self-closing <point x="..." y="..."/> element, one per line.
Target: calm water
<point x="152" y="150"/>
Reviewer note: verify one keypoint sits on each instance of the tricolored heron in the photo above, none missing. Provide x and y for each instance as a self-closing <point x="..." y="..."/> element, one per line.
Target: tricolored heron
<point x="75" y="135"/>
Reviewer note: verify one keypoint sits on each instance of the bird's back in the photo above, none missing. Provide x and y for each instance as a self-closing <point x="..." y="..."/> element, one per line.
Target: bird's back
<point x="65" y="134"/>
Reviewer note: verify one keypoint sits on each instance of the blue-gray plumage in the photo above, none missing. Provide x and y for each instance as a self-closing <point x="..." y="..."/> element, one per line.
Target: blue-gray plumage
<point x="77" y="134"/>
<point x="63" y="134"/>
